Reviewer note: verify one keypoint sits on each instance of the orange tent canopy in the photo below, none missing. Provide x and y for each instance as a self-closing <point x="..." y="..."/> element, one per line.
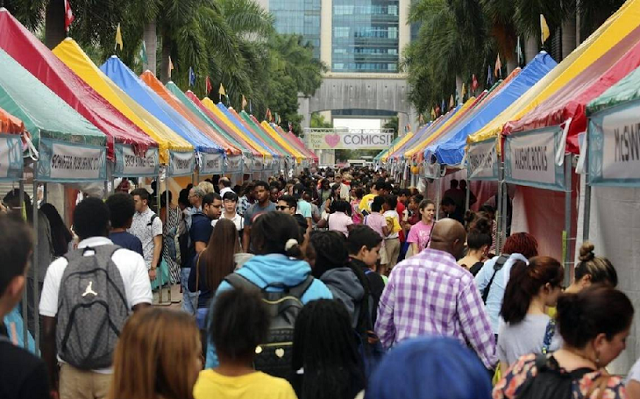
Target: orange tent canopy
<point x="9" y="123"/>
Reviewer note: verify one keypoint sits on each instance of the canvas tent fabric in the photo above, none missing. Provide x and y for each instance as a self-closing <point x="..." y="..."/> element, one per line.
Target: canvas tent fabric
<point x="449" y="150"/>
<point x="190" y="106"/>
<point x="416" y="141"/>
<point x="618" y="26"/>
<point x="10" y="124"/>
<point x="72" y="55"/>
<point x="255" y="149"/>
<point x="35" y="57"/>
<point x="296" y="140"/>
<point x="57" y="121"/>
<point x="248" y="136"/>
<point x="626" y="90"/>
<point x="295" y="154"/>
<point x="397" y="143"/>
<point x="157" y="86"/>
<point x="142" y="94"/>
<point x="255" y="131"/>
<point x="569" y="103"/>
<point x="266" y="137"/>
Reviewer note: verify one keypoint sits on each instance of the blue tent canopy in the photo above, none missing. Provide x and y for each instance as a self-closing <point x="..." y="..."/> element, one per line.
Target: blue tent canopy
<point x="449" y="149"/>
<point x="246" y="131"/>
<point x="131" y="84"/>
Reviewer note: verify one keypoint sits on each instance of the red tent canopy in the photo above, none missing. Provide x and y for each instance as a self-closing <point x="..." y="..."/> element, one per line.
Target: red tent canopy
<point x="35" y="57"/>
<point x="9" y="123"/>
<point x="571" y="100"/>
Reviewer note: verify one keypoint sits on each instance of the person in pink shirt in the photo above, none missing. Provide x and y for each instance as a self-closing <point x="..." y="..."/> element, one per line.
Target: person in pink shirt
<point x="420" y="233"/>
<point x="340" y="220"/>
<point x="378" y="223"/>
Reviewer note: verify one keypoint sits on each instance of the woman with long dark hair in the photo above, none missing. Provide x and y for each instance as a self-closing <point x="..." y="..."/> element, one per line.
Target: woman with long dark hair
<point x="212" y="265"/>
<point x="325" y="353"/>
<point x="478" y="241"/>
<point x="531" y="289"/>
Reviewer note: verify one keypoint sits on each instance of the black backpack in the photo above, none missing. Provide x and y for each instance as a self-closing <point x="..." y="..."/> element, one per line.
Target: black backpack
<point x="92" y="308"/>
<point x="274" y="357"/>
<point x="551" y="381"/>
<point x="496" y="268"/>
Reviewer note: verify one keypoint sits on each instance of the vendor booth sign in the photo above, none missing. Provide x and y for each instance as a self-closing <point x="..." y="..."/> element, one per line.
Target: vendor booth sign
<point x="212" y="164"/>
<point x="258" y="164"/>
<point x="10" y="157"/>
<point x="181" y="163"/>
<point x="233" y="164"/>
<point x="530" y="159"/>
<point x="69" y="162"/>
<point x="482" y="161"/>
<point x="350" y="141"/>
<point x="130" y="164"/>
<point x="614" y="146"/>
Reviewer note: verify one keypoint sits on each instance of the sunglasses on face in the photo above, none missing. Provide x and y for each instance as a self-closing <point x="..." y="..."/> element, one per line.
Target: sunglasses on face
<point x="282" y="208"/>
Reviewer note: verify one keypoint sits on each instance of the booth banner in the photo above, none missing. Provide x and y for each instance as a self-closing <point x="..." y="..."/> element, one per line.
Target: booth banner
<point x="530" y="159"/>
<point x="268" y="164"/>
<point x="258" y="164"/>
<point x="482" y="161"/>
<point x="181" y="163"/>
<point x="350" y="141"/>
<point x="11" y="163"/>
<point x="212" y="164"/>
<point x="431" y="170"/>
<point x="64" y="162"/>
<point x="614" y="146"/>
<point x="246" y="164"/>
<point x="233" y="164"/>
<point x="129" y="164"/>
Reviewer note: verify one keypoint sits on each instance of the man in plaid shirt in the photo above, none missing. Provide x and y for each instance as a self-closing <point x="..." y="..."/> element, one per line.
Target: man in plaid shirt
<point x="430" y="294"/>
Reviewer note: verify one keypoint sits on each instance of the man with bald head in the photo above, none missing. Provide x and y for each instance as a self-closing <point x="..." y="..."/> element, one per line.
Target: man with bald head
<point x="430" y="294"/>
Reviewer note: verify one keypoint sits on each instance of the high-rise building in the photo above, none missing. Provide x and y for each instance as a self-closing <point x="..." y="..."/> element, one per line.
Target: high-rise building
<point x="300" y="17"/>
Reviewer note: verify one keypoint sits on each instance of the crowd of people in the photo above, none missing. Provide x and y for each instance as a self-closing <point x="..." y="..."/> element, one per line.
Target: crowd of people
<point x="332" y="284"/>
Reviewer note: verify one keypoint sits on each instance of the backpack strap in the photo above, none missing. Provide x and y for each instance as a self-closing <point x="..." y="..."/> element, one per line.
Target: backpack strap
<point x="153" y="217"/>
<point x="103" y="252"/>
<point x="548" y="336"/>
<point x="299" y="290"/>
<point x="238" y="281"/>
<point x="496" y="268"/>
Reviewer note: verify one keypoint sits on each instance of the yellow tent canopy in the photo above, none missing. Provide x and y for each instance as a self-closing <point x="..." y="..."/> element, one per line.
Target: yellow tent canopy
<point x="282" y="142"/>
<point x="70" y="53"/>
<point x="397" y="146"/>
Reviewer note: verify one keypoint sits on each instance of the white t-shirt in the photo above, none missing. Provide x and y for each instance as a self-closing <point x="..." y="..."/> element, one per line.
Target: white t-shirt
<point x="237" y="220"/>
<point x="146" y="231"/>
<point x="634" y="373"/>
<point x="137" y="286"/>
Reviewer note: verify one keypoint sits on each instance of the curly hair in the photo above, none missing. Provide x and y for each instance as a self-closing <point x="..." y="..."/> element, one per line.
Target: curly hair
<point x="521" y="243"/>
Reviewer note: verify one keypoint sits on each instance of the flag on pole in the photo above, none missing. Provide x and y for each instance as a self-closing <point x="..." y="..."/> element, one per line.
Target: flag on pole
<point x="498" y="69"/>
<point x="244" y="102"/>
<point x="119" y="38"/>
<point x="474" y="83"/>
<point x="290" y="127"/>
<point x="170" y="67"/>
<point x="519" y="53"/>
<point x="221" y="90"/>
<point x="489" y="76"/>
<point x="207" y="83"/>
<point x="192" y="77"/>
<point x="267" y="116"/>
<point x="544" y="29"/>
<point x="68" y="15"/>
<point x="437" y="110"/>
<point x="443" y="107"/>
<point x="420" y="119"/>
<point x="464" y="92"/>
<point x="407" y="128"/>
<point x="143" y="53"/>
<point x="433" y="114"/>
<point x="452" y="103"/>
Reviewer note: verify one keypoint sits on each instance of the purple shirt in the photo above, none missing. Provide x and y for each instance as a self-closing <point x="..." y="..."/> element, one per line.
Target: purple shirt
<point x="376" y="221"/>
<point x="430" y="294"/>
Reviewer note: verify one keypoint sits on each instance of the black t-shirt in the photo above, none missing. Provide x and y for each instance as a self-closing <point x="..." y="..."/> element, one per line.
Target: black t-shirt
<point x="22" y="375"/>
<point x="128" y="241"/>
<point x="376" y="285"/>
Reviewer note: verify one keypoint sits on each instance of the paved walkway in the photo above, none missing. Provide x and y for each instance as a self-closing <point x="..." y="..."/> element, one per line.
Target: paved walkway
<point x="170" y="297"/>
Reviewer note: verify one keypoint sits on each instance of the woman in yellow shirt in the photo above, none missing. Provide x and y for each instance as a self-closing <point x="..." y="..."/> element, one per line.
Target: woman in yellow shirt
<point x="240" y="323"/>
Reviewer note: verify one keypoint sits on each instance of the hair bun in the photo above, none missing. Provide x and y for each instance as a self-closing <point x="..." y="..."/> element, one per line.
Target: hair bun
<point x="481" y="225"/>
<point x="586" y="252"/>
<point x="292" y="242"/>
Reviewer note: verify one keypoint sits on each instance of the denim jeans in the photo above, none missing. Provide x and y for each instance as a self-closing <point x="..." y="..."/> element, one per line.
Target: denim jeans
<point x="188" y="298"/>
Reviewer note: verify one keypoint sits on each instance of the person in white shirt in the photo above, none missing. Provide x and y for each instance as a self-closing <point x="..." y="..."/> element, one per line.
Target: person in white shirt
<point x="91" y="223"/>
<point x="147" y="226"/>
<point x="224" y="184"/>
<point x="229" y="205"/>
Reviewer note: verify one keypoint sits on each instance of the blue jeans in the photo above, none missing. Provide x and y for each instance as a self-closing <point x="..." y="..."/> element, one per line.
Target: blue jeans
<point x="188" y="297"/>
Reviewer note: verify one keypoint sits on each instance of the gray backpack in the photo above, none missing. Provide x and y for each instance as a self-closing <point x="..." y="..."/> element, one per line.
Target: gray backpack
<point x="92" y="308"/>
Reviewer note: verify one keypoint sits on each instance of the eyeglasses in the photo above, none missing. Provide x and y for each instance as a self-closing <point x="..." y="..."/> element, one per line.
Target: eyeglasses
<point x="282" y="208"/>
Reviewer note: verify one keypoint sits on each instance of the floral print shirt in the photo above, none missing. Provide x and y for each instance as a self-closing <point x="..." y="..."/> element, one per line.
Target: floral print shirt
<point x="588" y="387"/>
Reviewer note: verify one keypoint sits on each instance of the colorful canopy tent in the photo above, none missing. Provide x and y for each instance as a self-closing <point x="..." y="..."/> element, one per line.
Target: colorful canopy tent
<point x="292" y="139"/>
<point x="72" y="55"/>
<point x="239" y="130"/>
<point x="34" y="56"/>
<point x="9" y="124"/>
<point x="618" y="26"/>
<point x="282" y="142"/>
<point x="397" y="152"/>
<point x="568" y="104"/>
<point x="255" y="149"/>
<point x="397" y="143"/>
<point x="70" y="148"/>
<point x="167" y="96"/>
<point x="131" y="84"/>
<point x="175" y="90"/>
<point x="449" y="149"/>
<point x="261" y="132"/>
<point x="301" y="146"/>
<point x="257" y="132"/>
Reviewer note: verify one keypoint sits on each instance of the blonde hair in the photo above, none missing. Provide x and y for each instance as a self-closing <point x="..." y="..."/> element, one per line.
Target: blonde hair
<point x="157" y="355"/>
<point x="206" y="186"/>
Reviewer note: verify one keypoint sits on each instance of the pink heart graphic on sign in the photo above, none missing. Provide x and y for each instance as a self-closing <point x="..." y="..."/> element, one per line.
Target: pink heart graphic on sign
<point x="332" y="140"/>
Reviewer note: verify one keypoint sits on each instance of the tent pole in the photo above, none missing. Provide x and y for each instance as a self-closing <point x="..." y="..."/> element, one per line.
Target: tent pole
<point x="568" y="272"/>
<point x="499" y="208"/>
<point x="438" y="186"/>
<point x="44" y="193"/>
<point x="467" y="198"/>
<point x="168" y="201"/>
<point x="34" y="265"/>
<point x="159" y="266"/>
<point x="25" y="298"/>
<point x="586" y="220"/>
